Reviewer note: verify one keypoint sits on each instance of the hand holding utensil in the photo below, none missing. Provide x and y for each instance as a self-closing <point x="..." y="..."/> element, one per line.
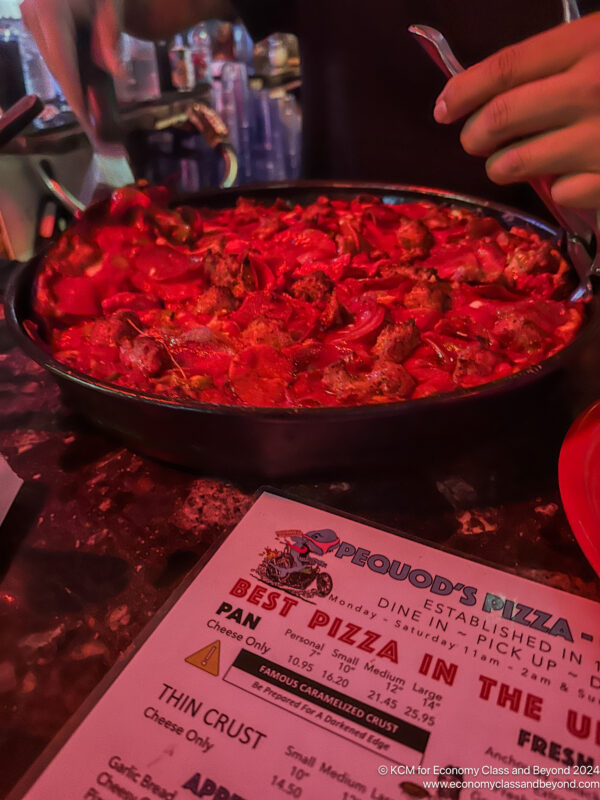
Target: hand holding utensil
<point x="581" y="226"/>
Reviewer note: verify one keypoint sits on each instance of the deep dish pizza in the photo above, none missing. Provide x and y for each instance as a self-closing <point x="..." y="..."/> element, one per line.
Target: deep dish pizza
<point x="341" y="302"/>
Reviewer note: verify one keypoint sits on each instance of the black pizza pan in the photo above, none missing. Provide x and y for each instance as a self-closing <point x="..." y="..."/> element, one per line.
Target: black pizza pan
<point x="278" y="443"/>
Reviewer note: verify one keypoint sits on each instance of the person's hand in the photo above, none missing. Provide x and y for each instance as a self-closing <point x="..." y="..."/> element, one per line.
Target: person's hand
<point x="52" y="23"/>
<point x="534" y="110"/>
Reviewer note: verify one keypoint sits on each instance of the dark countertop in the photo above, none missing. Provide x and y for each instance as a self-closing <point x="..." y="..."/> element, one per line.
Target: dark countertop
<point x="99" y="537"/>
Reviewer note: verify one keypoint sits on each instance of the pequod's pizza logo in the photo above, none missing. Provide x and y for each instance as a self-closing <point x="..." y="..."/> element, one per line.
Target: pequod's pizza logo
<point x="296" y="564"/>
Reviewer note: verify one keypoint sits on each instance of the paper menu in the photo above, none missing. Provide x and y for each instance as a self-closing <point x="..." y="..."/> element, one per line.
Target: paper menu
<point x="314" y="656"/>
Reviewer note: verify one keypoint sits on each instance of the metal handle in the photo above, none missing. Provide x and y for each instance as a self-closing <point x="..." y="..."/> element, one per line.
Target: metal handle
<point x="208" y="123"/>
<point x="437" y="48"/>
<point x="62" y="194"/>
<point x="570" y="10"/>
<point x="211" y="126"/>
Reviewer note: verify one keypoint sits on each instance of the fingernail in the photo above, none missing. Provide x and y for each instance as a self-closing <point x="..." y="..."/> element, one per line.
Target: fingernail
<point x="440" y="111"/>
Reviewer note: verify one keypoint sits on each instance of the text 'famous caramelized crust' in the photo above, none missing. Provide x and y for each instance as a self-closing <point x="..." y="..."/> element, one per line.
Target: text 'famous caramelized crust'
<point x="338" y="303"/>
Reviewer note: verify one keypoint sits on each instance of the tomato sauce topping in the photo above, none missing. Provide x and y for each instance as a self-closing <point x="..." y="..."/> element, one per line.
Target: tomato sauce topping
<point x="341" y="302"/>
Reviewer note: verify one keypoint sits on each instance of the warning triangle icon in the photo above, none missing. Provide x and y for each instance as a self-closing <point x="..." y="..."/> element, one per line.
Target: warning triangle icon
<point x="207" y="658"/>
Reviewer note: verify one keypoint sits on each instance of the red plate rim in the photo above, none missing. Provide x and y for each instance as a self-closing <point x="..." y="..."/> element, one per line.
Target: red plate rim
<point x="579" y="481"/>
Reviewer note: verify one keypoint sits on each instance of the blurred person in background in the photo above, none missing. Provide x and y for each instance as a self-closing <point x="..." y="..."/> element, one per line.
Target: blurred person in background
<point x="529" y="104"/>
